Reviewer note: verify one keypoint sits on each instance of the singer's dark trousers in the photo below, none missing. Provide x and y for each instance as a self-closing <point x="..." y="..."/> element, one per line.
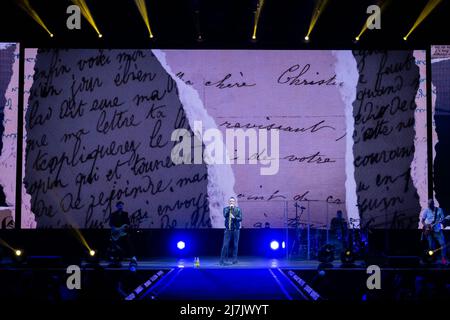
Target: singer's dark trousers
<point x="226" y="244"/>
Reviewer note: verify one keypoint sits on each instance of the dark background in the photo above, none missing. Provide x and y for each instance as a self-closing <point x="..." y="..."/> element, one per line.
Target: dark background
<point x="225" y="24"/>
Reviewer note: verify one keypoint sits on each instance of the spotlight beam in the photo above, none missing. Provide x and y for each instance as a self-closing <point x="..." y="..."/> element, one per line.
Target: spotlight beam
<point x="368" y="20"/>
<point x="431" y="252"/>
<point x="318" y="9"/>
<point x="142" y="7"/>
<point x="5" y="244"/>
<point x="82" y="239"/>
<point x="430" y="6"/>
<point x="257" y="15"/>
<point x="87" y="15"/>
<point x="25" y="5"/>
<point x="72" y="224"/>
<point x="17" y="252"/>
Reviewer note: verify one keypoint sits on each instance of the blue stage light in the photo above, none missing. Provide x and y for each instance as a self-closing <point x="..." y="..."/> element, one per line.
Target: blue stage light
<point x="274" y="245"/>
<point x="283" y="245"/>
<point x="181" y="245"/>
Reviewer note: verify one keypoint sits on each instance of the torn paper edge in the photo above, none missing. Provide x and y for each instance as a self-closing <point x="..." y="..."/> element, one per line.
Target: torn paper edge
<point x="9" y="151"/>
<point x="4" y="45"/>
<point x="28" y="217"/>
<point x="347" y="72"/>
<point x="434" y="135"/>
<point x="220" y="177"/>
<point x="419" y="172"/>
<point x="434" y="60"/>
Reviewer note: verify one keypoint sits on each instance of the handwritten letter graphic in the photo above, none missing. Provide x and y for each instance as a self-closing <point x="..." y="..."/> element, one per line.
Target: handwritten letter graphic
<point x="98" y="125"/>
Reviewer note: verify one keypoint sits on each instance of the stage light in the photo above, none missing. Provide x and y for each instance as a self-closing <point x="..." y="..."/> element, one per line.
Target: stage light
<point x="80" y="236"/>
<point x="430" y="6"/>
<point x="259" y="7"/>
<point x="326" y="254"/>
<point x="319" y="276"/>
<point x="18" y="253"/>
<point x="274" y="263"/>
<point x="429" y="256"/>
<point x="18" y="256"/>
<point x="182" y="263"/>
<point x="25" y="5"/>
<point x="347" y="257"/>
<point x="318" y="9"/>
<point x="181" y="245"/>
<point x="87" y="15"/>
<point x="357" y="38"/>
<point x="142" y="7"/>
<point x="51" y="35"/>
<point x="92" y="259"/>
<point x="197" y="23"/>
<point x="274" y="245"/>
<point x="283" y="245"/>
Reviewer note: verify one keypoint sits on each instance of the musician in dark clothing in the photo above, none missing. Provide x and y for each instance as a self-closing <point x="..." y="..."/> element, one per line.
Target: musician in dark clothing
<point x="233" y="218"/>
<point x="119" y="222"/>
<point x="432" y="219"/>
<point x="119" y="217"/>
<point x="338" y="232"/>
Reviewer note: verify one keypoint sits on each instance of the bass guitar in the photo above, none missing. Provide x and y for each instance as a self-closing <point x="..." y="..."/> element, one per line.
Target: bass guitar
<point x="117" y="233"/>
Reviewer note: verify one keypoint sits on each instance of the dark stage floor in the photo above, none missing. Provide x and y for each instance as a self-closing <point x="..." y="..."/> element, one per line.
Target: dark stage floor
<point x="253" y="278"/>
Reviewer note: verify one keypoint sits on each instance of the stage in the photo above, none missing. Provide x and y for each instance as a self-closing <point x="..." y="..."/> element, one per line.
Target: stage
<point x="210" y="262"/>
<point x="252" y="278"/>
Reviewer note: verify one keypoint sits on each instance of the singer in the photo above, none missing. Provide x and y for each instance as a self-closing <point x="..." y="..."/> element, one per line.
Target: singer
<point x="233" y="218"/>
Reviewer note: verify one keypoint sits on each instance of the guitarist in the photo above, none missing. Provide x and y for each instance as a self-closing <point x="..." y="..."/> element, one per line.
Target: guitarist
<point x="119" y="222"/>
<point x="432" y="219"/>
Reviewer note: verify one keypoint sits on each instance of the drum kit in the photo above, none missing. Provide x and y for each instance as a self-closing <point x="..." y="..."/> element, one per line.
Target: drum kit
<point x="310" y="238"/>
